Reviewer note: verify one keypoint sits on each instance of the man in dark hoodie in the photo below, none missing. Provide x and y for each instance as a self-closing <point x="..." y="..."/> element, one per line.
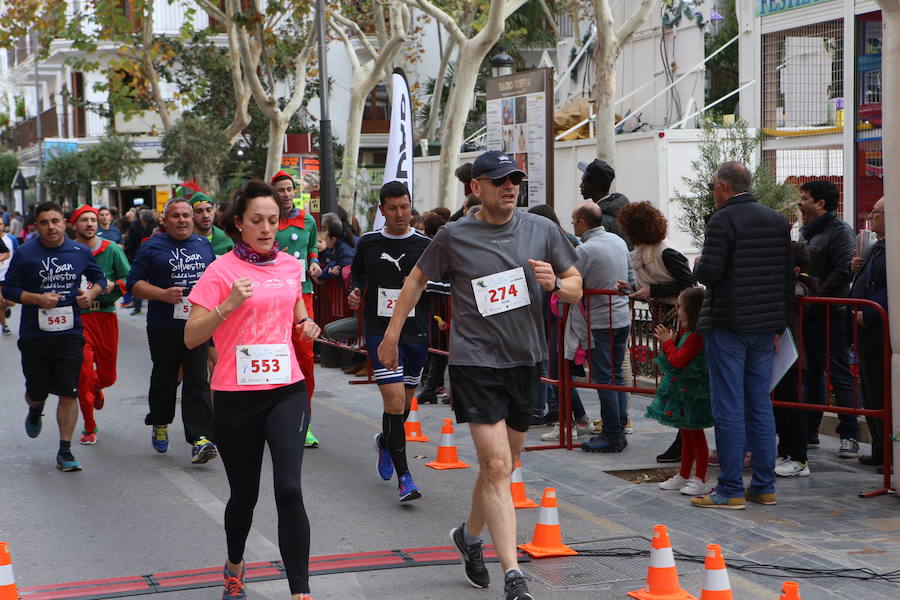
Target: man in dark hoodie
<point x="831" y="243"/>
<point x="595" y="183"/>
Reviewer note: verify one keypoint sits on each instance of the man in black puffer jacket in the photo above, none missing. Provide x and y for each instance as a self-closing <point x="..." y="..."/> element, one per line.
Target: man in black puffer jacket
<point x="747" y="268"/>
<point x="831" y="245"/>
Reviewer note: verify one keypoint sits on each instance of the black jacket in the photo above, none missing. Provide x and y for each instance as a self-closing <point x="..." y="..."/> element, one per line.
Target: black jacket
<point x="747" y="268"/>
<point x="611" y="205"/>
<point x="831" y="245"/>
<point x="871" y="284"/>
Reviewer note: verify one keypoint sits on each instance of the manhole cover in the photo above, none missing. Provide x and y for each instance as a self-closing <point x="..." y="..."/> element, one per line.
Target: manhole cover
<point x="650" y="475"/>
<point x="586" y="570"/>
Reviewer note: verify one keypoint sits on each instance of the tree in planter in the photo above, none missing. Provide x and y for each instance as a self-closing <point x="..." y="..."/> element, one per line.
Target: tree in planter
<point x="9" y="165"/>
<point x="195" y="148"/>
<point x="65" y="175"/>
<point x="113" y="160"/>
<point x="718" y="145"/>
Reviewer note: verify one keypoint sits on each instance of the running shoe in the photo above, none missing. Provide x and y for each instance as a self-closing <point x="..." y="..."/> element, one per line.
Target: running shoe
<point x="516" y="586"/>
<point x="849" y="448"/>
<point x="442" y="395"/>
<point x="675" y="482"/>
<point x="792" y="468"/>
<point x="99" y="400"/>
<point x="89" y="439"/>
<point x="33" y="424"/>
<point x="6" y="330"/>
<point x="65" y="461"/>
<point x="629" y="428"/>
<point x="311" y="440"/>
<point x="160" y="438"/>
<point x="234" y="585"/>
<point x="385" y="464"/>
<point x="696" y="487"/>
<point x="472" y="558"/>
<point x="408" y="489"/>
<point x="203" y="451"/>
<point x="135" y="312"/>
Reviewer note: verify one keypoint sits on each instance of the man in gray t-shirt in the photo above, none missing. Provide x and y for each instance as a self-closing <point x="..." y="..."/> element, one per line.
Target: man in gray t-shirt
<point x="499" y="262"/>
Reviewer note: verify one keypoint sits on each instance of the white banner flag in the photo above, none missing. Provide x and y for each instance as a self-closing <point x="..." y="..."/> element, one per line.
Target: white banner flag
<point x="399" y="164"/>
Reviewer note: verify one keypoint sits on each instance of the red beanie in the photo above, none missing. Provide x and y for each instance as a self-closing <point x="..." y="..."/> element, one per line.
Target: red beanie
<point x="81" y="210"/>
<point x="281" y="175"/>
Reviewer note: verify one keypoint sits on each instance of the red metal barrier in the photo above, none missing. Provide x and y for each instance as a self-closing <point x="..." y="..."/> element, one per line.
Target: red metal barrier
<point x="885" y="412"/>
<point x="643" y="350"/>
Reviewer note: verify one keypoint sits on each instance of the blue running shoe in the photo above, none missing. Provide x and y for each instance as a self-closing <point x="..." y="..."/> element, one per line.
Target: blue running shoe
<point x="203" y="451"/>
<point x="385" y="464"/>
<point x="65" y="461"/>
<point x="160" y="438"/>
<point x="33" y="424"/>
<point x="234" y="586"/>
<point x="408" y="489"/>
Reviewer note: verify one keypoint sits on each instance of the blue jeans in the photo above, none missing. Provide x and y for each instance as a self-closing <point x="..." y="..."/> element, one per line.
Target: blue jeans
<point x="607" y="355"/>
<point x="838" y="360"/>
<point x="740" y="367"/>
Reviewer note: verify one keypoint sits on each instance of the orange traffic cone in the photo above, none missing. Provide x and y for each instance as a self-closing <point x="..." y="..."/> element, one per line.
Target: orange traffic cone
<point x="790" y="590"/>
<point x="412" y="427"/>
<point x="547" y="538"/>
<point x="517" y="489"/>
<point x="662" y="576"/>
<point x="716" y="585"/>
<point x="446" y="456"/>
<point x="7" y="580"/>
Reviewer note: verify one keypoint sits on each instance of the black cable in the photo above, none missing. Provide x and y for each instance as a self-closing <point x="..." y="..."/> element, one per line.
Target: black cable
<point x="749" y="566"/>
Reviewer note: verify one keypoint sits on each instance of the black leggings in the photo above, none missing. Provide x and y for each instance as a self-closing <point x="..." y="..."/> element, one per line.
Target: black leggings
<point x="243" y="423"/>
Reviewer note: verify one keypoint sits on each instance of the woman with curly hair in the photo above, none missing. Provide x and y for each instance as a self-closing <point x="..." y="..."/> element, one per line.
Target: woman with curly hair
<point x="660" y="272"/>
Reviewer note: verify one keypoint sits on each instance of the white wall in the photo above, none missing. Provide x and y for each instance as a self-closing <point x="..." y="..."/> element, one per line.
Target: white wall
<point x="651" y="165"/>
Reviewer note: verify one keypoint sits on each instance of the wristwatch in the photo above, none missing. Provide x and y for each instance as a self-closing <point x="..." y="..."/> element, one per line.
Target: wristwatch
<point x="557" y="285"/>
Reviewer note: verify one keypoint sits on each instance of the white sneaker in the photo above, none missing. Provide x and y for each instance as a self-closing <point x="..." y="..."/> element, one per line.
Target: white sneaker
<point x="792" y="468"/>
<point x="676" y="482"/>
<point x="553" y="436"/>
<point x="781" y="460"/>
<point x="696" y="487"/>
<point x="584" y="429"/>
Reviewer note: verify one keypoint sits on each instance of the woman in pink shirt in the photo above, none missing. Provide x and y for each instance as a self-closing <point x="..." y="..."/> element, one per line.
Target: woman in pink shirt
<point x="249" y="301"/>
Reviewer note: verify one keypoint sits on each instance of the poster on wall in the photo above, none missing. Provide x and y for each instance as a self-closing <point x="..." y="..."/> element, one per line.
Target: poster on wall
<point x="519" y="121"/>
<point x="304" y="168"/>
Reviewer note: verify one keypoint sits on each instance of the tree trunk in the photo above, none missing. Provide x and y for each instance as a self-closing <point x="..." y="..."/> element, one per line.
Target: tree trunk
<point x="604" y="92"/>
<point x="277" y="127"/>
<point x="438" y="95"/>
<point x="456" y="113"/>
<point x="349" y="169"/>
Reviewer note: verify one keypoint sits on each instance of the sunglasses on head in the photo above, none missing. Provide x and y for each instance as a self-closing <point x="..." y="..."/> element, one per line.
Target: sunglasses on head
<point x="515" y="178"/>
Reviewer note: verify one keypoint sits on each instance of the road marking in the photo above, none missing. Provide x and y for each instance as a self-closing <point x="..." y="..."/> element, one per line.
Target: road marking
<point x="259" y="548"/>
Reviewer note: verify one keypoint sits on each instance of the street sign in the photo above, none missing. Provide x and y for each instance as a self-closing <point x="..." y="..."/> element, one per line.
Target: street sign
<point x="18" y="182"/>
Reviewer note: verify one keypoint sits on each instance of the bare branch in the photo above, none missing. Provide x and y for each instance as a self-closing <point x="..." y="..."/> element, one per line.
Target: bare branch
<point x="296" y="100"/>
<point x="631" y="24"/>
<point x="351" y="53"/>
<point x="212" y="10"/>
<point x="441" y="17"/>
<point x="356" y="31"/>
<point x="266" y="104"/>
<point x="380" y="25"/>
<point x="550" y="18"/>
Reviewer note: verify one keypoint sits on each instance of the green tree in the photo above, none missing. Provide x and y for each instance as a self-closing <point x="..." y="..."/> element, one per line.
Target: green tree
<point x="113" y="160"/>
<point x="195" y="148"/>
<point x="722" y="70"/>
<point x="718" y="145"/>
<point x="9" y="165"/>
<point x="66" y="174"/>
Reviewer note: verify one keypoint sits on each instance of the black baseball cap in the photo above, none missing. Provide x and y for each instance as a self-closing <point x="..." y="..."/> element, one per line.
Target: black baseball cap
<point x="598" y="171"/>
<point x="493" y="164"/>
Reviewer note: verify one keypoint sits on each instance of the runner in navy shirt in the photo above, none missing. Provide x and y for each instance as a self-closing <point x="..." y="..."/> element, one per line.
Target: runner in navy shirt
<point x="164" y="271"/>
<point x="45" y="276"/>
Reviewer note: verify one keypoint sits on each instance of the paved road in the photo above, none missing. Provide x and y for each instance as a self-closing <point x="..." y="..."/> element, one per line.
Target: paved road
<point x="132" y="511"/>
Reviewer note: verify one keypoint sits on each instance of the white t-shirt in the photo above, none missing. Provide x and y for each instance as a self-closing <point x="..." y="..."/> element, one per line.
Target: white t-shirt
<point x="11" y="246"/>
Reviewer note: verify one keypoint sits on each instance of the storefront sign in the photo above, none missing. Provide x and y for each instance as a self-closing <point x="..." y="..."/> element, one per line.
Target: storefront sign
<point x="772" y="7"/>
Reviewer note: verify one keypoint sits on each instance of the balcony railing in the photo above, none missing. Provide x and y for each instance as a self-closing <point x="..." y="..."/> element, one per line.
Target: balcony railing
<point x="25" y="133"/>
